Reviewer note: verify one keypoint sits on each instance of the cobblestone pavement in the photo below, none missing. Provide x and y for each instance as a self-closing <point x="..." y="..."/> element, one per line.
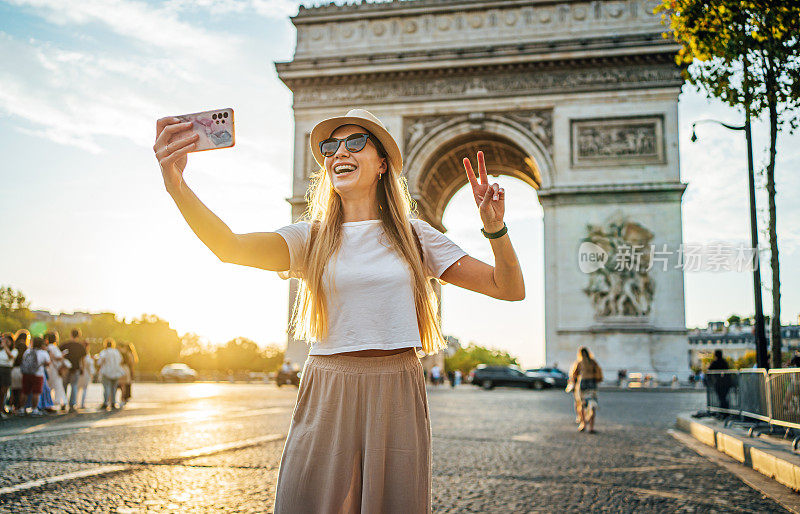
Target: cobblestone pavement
<point x="216" y="448"/>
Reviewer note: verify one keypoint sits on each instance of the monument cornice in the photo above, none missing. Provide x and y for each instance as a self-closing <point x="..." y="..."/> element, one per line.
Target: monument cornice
<point x="315" y="78"/>
<point x="406" y="26"/>
<point x="633" y="192"/>
<point x="362" y="10"/>
<point x="482" y="82"/>
<point x="649" y="47"/>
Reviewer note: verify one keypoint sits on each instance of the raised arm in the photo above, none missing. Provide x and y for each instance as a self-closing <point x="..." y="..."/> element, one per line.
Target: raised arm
<point x="265" y="250"/>
<point x="503" y="280"/>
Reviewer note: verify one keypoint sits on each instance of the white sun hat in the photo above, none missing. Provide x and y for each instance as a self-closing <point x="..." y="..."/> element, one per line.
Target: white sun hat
<point x="362" y="118"/>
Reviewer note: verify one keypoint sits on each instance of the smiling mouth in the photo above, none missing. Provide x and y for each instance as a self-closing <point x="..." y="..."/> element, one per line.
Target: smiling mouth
<point x="343" y="169"/>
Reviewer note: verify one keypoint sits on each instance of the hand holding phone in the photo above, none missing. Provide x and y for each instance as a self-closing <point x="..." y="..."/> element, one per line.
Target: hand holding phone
<point x="214" y="128"/>
<point x="176" y="136"/>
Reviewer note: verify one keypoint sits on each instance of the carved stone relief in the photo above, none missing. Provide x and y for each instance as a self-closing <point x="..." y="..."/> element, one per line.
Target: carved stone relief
<point x="619" y="141"/>
<point x="621" y="285"/>
<point x="476" y="25"/>
<point x="533" y="82"/>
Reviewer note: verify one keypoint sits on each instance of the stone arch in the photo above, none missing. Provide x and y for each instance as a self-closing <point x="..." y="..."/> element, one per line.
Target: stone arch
<point x="433" y="164"/>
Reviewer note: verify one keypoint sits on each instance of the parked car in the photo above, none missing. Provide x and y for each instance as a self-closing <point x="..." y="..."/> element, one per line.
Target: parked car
<point x="488" y="377"/>
<point x="288" y="378"/>
<point x="178" y="372"/>
<point x="553" y="376"/>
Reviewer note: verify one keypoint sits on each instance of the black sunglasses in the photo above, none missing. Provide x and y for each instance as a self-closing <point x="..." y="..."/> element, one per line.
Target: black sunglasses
<point x="353" y="143"/>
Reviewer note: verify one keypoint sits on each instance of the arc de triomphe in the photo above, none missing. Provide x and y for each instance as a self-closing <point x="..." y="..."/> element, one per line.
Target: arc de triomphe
<point x="578" y="99"/>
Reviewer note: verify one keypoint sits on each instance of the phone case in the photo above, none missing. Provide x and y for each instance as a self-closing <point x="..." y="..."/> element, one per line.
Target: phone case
<point x="214" y="127"/>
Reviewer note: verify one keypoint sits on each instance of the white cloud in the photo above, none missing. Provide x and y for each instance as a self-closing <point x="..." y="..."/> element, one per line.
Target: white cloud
<point x="265" y="8"/>
<point x="148" y="24"/>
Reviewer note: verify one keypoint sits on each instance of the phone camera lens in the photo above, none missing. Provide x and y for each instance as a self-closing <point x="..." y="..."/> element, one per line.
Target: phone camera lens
<point x="223" y="121"/>
<point x="213" y="116"/>
<point x="225" y="114"/>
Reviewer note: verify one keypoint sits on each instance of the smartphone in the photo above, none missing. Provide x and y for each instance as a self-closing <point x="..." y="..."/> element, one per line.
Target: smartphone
<point x="215" y="129"/>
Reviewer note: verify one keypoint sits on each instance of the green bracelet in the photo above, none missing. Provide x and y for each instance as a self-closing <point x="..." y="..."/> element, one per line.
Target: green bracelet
<point x="495" y="235"/>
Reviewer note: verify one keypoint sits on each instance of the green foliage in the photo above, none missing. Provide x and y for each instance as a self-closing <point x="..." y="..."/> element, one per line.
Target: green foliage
<point x="745" y="361"/>
<point x="465" y="359"/>
<point x="733" y="319"/>
<point x="14" y="310"/>
<point x="720" y="39"/>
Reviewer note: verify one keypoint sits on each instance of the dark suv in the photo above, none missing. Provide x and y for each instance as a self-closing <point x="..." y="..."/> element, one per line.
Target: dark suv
<point x="488" y="377"/>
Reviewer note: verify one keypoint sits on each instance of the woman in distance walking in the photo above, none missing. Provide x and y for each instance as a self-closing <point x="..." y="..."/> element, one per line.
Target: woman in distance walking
<point x="359" y="439"/>
<point x="584" y="377"/>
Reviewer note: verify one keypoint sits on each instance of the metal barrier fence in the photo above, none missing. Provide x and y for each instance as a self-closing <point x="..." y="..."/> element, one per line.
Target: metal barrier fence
<point x="770" y="396"/>
<point x="784" y="396"/>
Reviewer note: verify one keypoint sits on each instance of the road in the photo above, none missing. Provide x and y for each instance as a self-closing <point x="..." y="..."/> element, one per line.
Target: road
<point x="216" y="448"/>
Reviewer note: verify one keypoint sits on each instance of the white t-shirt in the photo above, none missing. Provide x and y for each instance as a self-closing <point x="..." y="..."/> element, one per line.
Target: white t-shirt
<point x="5" y="360"/>
<point x="110" y="361"/>
<point x="373" y="305"/>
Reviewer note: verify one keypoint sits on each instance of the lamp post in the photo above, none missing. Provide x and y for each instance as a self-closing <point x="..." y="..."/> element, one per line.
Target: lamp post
<point x="762" y="357"/>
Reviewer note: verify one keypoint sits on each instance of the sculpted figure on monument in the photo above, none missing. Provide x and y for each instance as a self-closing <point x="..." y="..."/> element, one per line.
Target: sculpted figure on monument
<point x="622" y="287"/>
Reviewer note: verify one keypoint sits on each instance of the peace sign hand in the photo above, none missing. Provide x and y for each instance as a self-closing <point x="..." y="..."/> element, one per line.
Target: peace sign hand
<point x="490" y="198"/>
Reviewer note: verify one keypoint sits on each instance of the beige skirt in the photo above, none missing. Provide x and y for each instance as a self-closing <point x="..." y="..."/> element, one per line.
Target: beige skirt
<point x="360" y="438"/>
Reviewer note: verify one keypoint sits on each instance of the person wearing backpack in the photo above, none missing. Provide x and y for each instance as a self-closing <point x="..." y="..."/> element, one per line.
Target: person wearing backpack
<point x="33" y="363"/>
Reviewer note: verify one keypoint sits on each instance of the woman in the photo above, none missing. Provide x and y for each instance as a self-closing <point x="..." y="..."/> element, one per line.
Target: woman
<point x="21" y="340"/>
<point x="54" y="371"/>
<point x="7" y="356"/>
<point x="109" y="363"/>
<point x="87" y="370"/>
<point x="129" y="361"/>
<point x="584" y="377"/>
<point x="34" y="362"/>
<point x="360" y="436"/>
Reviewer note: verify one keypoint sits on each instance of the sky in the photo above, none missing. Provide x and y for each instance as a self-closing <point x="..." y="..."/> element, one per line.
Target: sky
<point x="86" y="223"/>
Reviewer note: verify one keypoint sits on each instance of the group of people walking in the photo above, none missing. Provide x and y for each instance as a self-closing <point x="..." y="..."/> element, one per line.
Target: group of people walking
<point x="38" y="375"/>
<point x="437" y="376"/>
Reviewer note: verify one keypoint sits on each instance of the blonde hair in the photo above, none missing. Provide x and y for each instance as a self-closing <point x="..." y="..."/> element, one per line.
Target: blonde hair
<point x="325" y="212"/>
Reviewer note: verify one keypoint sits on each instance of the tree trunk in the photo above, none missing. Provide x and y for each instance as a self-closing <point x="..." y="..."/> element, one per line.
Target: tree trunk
<point x="775" y="320"/>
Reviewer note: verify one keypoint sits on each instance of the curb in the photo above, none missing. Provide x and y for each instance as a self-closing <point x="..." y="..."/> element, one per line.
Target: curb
<point x="772" y="459"/>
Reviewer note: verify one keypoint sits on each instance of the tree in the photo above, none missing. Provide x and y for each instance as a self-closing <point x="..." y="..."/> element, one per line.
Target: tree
<point x="465" y="359"/>
<point x="734" y="319"/>
<point x="14" y="310"/>
<point x="747" y="54"/>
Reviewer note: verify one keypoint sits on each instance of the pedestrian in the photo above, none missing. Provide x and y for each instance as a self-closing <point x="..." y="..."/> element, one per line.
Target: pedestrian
<point x="74" y="351"/>
<point x="585" y="375"/>
<point x="109" y="363"/>
<point x="451" y="377"/>
<point x="129" y="360"/>
<point x="359" y="439"/>
<point x="21" y="341"/>
<point x="794" y="362"/>
<point x="34" y="361"/>
<point x="436" y="375"/>
<point x="54" y="370"/>
<point x="87" y="373"/>
<point x="720" y="382"/>
<point x="7" y="356"/>
<point x="457" y="377"/>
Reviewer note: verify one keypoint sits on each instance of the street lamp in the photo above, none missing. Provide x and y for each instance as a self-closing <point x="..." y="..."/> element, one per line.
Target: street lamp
<point x="762" y="357"/>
